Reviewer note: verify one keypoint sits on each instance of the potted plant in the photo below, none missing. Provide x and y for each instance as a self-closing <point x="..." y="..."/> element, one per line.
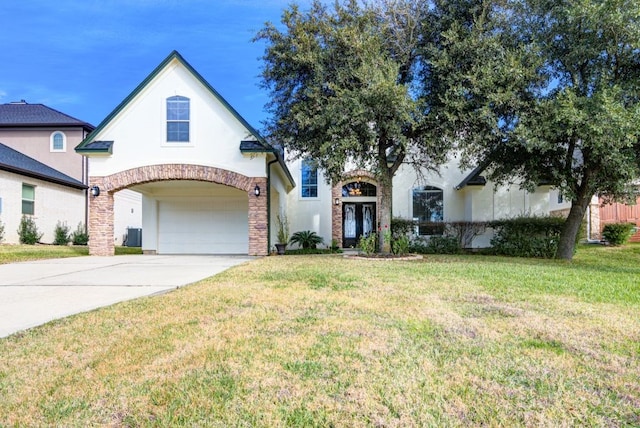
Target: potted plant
<point x="283" y="233"/>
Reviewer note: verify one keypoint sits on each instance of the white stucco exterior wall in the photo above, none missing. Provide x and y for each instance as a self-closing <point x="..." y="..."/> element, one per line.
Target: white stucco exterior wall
<point x="312" y="214"/>
<point x="53" y="203"/>
<point x="139" y="130"/>
<point x="127" y="213"/>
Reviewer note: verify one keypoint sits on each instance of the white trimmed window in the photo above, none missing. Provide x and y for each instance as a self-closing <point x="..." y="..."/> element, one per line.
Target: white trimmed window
<point x="28" y="199"/>
<point x="178" y="115"/>
<point x="309" y="180"/>
<point x="428" y="207"/>
<point x="58" y="142"/>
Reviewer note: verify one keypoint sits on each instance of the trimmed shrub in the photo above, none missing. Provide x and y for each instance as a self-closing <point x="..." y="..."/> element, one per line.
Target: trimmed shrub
<point x="62" y="234"/>
<point x="28" y="231"/>
<point x="436" y="245"/>
<point x="80" y="236"/>
<point x="402" y="227"/>
<point x="465" y="231"/>
<point x="536" y="236"/>
<point x="618" y="233"/>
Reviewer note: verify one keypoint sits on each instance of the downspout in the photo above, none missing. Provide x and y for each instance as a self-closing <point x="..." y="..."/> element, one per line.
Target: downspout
<point x="85" y="180"/>
<point x="269" y="203"/>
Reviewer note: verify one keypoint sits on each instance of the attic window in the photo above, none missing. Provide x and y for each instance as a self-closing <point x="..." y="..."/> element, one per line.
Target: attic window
<point x="178" y="114"/>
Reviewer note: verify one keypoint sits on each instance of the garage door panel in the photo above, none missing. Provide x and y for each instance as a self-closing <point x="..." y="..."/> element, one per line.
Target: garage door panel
<point x="213" y="225"/>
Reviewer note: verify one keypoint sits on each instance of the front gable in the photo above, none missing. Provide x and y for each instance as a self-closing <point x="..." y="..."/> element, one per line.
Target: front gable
<point x="135" y="134"/>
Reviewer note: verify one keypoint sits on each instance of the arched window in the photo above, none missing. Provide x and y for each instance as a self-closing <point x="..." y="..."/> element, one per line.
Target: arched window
<point x="58" y="142"/>
<point x="428" y="208"/>
<point x="358" y="188"/>
<point x="178" y="115"/>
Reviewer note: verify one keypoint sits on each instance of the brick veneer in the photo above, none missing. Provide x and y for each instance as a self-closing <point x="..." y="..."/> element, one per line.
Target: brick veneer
<point x="336" y="192"/>
<point x="101" y="207"/>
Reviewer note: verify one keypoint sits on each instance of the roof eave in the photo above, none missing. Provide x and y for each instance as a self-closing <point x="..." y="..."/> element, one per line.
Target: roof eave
<point x="42" y="177"/>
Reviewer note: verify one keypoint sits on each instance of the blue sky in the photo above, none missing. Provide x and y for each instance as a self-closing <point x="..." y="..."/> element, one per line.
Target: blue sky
<point x="83" y="57"/>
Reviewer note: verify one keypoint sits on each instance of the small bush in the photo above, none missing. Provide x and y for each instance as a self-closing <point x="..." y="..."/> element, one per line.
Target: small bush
<point x="400" y="245"/>
<point x="618" y="233"/>
<point x="80" y="236"/>
<point x="368" y="244"/>
<point x="62" y="234"/>
<point x="306" y="239"/>
<point x="1" y="231"/>
<point x="28" y="231"/>
<point x="527" y="236"/>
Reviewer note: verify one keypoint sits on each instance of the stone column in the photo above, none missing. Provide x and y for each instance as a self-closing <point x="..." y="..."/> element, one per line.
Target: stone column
<point x="100" y="221"/>
<point x="336" y="213"/>
<point x="258" y="230"/>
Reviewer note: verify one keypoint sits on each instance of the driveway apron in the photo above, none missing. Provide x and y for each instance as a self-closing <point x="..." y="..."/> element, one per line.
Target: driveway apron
<point x="36" y="292"/>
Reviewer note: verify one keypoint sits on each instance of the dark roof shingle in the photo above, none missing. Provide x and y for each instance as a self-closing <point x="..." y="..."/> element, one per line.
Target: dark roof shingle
<point x="24" y="114"/>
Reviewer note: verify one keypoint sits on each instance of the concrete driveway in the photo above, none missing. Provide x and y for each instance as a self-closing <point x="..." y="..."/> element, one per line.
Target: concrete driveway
<point x="34" y="293"/>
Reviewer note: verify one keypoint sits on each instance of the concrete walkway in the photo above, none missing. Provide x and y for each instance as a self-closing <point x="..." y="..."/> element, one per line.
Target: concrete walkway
<point x="34" y="293"/>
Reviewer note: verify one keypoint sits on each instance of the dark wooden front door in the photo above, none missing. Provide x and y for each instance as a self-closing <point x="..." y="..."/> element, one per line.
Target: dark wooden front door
<point x="358" y="219"/>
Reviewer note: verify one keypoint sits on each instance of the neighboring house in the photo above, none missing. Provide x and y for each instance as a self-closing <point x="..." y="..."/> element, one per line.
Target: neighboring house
<point x="211" y="184"/>
<point x="50" y="136"/>
<point x="29" y="187"/>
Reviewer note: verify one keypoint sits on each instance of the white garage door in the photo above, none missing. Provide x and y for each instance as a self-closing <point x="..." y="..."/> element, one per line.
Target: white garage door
<point x="212" y="225"/>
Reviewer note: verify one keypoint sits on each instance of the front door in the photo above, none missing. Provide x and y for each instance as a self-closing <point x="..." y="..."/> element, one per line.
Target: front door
<point x="358" y="219"/>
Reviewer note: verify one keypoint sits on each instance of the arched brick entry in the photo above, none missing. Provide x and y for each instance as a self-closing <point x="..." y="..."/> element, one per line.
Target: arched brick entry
<point x="101" y="207"/>
<point x="336" y="193"/>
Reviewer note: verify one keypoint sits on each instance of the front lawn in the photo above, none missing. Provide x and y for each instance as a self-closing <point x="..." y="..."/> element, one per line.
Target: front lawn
<point x="23" y="253"/>
<point x="328" y="341"/>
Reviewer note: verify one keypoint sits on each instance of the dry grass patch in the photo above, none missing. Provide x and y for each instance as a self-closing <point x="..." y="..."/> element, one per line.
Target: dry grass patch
<point x="326" y="341"/>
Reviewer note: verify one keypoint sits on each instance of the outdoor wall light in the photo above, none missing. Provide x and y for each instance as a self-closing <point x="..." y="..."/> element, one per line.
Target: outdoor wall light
<point x="336" y="201"/>
<point x="256" y="190"/>
<point x="95" y="191"/>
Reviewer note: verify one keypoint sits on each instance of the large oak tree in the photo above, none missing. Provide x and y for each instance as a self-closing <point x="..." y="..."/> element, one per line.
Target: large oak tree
<point x="544" y="91"/>
<point x="342" y="81"/>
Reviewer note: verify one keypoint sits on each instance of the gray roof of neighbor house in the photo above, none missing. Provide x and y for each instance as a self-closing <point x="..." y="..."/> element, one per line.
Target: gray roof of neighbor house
<point x="24" y="114"/>
<point x="13" y="161"/>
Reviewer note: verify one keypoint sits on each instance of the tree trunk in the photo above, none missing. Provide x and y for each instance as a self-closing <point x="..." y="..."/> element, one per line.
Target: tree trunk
<point x="386" y="200"/>
<point x="571" y="227"/>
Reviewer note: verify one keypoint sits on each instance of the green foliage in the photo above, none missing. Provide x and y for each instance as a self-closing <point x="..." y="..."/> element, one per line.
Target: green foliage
<point x="541" y="92"/>
<point x="80" y="235"/>
<point x="465" y="231"/>
<point x="283" y="229"/>
<point x="436" y="245"/>
<point x="402" y="227"/>
<point x="334" y="245"/>
<point x="306" y="239"/>
<point x="618" y="233"/>
<point x="400" y="245"/>
<point x="527" y="236"/>
<point x="62" y="234"/>
<point x="1" y="231"/>
<point x="342" y="84"/>
<point x="368" y="244"/>
<point x="28" y="231"/>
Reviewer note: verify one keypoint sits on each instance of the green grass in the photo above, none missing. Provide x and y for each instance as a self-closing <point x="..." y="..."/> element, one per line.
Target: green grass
<point x="327" y="341"/>
<point x="23" y="253"/>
